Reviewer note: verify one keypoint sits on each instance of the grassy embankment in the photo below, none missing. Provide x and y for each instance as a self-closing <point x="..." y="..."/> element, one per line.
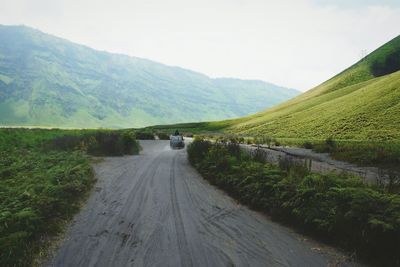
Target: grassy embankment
<point x="44" y="175"/>
<point x="359" y="109"/>
<point x="340" y="210"/>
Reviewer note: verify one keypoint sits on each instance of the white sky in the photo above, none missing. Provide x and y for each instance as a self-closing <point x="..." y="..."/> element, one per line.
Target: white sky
<point x="294" y="43"/>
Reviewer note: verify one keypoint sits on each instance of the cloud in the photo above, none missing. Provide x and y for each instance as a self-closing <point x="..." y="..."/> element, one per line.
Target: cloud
<point x="356" y="4"/>
<point x="292" y="43"/>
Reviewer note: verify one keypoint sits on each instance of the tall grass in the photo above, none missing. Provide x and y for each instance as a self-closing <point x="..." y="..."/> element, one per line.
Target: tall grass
<point x="144" y="135"/>
<point x="339" y="209"/>
<point x="163" y="136"/>
<point x="377" y="154"/>
<point x="99" y="143"/>
<point x="44" y="175"/>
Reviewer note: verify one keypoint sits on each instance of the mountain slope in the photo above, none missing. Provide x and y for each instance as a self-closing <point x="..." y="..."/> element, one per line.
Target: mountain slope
<point x="361" y="103"/>
<point x="48" y="81"/>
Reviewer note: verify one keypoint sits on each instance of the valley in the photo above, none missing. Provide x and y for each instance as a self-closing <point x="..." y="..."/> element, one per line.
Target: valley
<point x="46" y="81"/>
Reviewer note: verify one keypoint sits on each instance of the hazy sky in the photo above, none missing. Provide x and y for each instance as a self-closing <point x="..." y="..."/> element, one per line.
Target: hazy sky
<point x="294" y="43"/>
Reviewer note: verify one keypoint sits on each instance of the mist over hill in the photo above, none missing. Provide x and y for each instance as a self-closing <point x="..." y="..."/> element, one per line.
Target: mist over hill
<point x="49" y="81"/>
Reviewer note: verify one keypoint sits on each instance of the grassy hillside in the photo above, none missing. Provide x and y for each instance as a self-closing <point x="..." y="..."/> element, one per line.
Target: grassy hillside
<point x="361" y="103"/>
<point x="49" y="81"/>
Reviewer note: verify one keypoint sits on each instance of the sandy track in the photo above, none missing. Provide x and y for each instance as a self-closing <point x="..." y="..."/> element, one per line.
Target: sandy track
<point x="155" y="210"/>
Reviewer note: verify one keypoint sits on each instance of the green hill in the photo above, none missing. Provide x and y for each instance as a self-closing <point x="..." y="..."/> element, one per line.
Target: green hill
<point x="49" y="81"/>
<point x="361" y="103"/>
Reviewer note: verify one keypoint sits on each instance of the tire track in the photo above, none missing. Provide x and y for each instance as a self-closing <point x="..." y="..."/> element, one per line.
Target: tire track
<point x="156" y="210"/>
<point x="138" y="193"/>
<point x="184" y="251"/>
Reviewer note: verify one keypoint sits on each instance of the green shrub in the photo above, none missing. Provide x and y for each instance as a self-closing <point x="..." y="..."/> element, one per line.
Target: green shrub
<point x="163" y="136"/>
<point x="386" y="65"/>
<point x="385" y="155"/>
<point x="259" y="155"/>
<point x="234" y="149"/>
<point x="38" y="191"/>
<point x="103" y="143"/>
<point x="294" y="168"/>
<point x="219" y="156"/>
<point x="65" y="142"/>
<point x="144" y="136"/>
<point x="129" y="144"/>
<point x="330" y="143"/>
<point x="197" y="150"/>
<point x="342" y="209"/>
<point x="308" y="145"/>
<point x="250" y="141"/>
<point x="44" y="174"/>
<point x="264" y="140"/>
<point x="99" y="143"/>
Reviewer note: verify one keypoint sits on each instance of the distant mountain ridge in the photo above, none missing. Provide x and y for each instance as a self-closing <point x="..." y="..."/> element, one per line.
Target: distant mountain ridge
<point x="49" y="81"/>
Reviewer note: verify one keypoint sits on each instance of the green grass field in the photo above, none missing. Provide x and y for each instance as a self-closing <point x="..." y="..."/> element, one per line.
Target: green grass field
<point x="44" y="175"/>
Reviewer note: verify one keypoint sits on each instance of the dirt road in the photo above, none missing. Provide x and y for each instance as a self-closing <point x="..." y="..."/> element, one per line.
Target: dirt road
<point x="155" y="210"/>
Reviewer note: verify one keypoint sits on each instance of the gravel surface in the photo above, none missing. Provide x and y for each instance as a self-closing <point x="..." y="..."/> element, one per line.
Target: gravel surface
<point x="156" y="210"/>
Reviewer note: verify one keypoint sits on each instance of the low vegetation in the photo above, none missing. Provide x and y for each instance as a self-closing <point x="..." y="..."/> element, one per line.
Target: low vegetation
<point x="144" y="135"/>
<point x="163" y="136"/>
<point x="342" y="210"/>
<point x="385" y="155"/>
<point x="44" y="175"/>
<point x="100" y="143"/>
